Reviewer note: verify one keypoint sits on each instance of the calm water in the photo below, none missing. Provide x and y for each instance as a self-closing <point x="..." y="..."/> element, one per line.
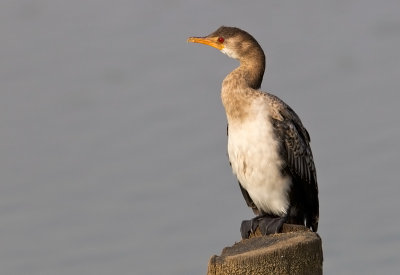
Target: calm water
<point x="113" y="139"/>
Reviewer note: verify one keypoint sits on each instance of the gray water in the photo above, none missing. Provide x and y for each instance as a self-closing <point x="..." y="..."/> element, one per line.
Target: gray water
<point x="113" y="137"/>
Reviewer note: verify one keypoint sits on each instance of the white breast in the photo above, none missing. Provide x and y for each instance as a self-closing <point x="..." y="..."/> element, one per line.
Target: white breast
<point x="253" y="153"/>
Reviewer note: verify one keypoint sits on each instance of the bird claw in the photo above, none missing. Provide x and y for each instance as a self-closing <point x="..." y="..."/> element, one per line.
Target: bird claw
<point x="246" y="228"/>
<point x="271" y="225"/>
<point x="266" y="223"/>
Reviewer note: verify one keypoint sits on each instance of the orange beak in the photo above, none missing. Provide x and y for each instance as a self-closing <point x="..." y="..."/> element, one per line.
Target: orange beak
<point x="207" y="41"/>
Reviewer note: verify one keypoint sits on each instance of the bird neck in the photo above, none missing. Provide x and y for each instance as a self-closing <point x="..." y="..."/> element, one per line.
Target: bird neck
<point x="252" y="71"/>
<point x="238" y="88"/>
<point x="249" y="74"/>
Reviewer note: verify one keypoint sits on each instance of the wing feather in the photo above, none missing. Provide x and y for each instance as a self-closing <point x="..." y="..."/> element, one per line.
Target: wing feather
<point x="297" y="155"/>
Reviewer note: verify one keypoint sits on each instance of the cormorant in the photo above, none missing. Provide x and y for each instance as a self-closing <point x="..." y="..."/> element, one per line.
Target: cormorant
<point x="268" y="146"/>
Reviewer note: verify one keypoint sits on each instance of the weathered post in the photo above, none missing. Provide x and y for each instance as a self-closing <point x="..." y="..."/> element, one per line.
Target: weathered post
<point x="295" y="251"/>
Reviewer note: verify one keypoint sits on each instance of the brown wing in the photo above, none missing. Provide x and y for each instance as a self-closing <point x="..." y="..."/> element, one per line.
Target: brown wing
<point x="297" y="155"/>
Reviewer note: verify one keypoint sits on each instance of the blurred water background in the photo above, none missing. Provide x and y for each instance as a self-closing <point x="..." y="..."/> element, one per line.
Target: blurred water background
<point x="113" y="136"/>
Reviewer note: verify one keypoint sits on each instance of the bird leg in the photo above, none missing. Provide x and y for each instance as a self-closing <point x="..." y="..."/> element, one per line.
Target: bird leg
<point x="268" y="224"/>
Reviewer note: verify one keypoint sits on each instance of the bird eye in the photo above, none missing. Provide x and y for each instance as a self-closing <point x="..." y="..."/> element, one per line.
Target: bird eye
<point x="221" y="39"/>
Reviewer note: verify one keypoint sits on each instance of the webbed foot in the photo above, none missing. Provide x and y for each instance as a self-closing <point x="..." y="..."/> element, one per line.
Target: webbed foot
<point x="267" y="224"/>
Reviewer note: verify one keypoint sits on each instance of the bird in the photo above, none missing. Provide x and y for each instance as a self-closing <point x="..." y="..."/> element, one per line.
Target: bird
<point x="268" y="146"/>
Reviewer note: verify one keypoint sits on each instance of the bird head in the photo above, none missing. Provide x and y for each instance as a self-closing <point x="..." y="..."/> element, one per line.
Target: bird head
<point x="231" y="41"/>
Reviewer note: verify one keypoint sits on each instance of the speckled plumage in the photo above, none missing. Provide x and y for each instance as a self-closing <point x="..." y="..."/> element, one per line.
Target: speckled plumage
<point x="268" y="146"/>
